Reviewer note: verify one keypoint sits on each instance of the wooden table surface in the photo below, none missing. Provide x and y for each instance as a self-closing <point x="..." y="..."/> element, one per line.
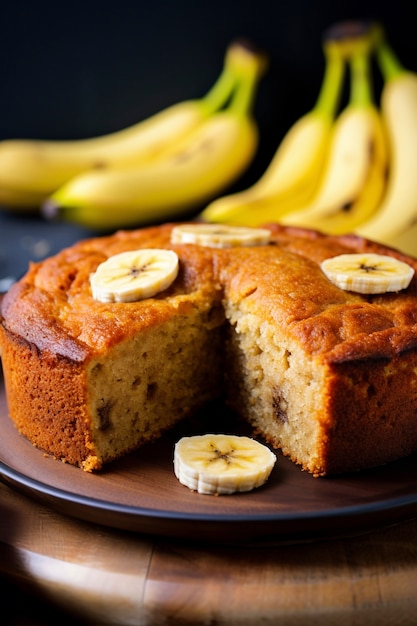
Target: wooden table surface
<point x="97" y="575"/>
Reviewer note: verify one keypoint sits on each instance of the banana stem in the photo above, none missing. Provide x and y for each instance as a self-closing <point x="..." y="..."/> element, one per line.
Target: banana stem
<point x="243" y="67"/>
<point x="331" y="88"/>
<point x="352" y="37"/>
<point x="390" y="65"/>
<point x="243" y="98"/>
<point x="361" y="93"/>
<point x="221" y="91"/>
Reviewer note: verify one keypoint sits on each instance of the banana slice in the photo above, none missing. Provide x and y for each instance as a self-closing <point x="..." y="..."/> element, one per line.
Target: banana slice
<point x="368" y="273"/>
<point x="222" y="464"/>
<point x="134" y="275"/>
<point x="220" y="236"/>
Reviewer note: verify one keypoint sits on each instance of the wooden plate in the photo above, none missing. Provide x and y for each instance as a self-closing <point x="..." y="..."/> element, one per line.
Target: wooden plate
<point x="140" y="493"/>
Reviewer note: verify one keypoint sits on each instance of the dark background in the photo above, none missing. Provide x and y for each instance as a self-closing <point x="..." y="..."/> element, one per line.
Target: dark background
<point x="78" y="69"/>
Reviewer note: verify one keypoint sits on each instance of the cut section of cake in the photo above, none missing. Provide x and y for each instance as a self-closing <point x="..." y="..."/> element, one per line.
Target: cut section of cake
<point x="327" y="375"/>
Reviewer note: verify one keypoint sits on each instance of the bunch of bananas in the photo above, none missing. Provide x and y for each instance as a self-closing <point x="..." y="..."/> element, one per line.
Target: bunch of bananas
<point x="348" y="170"/>
<point x="169" y="163"/>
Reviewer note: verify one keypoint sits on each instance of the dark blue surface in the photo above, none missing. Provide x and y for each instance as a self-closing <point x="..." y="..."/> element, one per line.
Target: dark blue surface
<point x="30" y="238"/>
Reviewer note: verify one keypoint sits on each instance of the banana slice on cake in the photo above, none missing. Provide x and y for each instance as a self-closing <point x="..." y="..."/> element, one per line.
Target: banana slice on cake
<point x="220" y="236"/>
<point x="222" y="464"/>
<point x="134" y="275"/>
<point x="368" y="273"/>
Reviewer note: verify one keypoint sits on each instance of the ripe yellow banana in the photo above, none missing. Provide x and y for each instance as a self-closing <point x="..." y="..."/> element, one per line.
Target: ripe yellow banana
<point x="292" y="174"/>
<point x="354" y="178"/>
<point x="397" y="212"/>
<point x="405" y="241"/>
<point x="20" y="200"/>
<point x="197" y="167"/>
<point x="30" y="170"/>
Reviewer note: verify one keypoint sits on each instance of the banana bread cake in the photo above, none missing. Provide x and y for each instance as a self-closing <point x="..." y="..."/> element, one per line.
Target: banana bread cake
<point x="327" y="375"/>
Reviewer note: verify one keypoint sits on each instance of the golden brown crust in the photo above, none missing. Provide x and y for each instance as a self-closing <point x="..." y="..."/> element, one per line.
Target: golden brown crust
<point x="285" y="283"/>
<point x="51" y="329"/>
<point x="52" y="305"/>
<point x="39" y="406"/>
<point x="375" y="416"/>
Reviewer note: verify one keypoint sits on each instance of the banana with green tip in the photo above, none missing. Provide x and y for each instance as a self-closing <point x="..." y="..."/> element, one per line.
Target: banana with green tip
<point x="292" y="174"/>
<point x="354" y="179"/>
<point x="397" y="213"/>
<point x="195" y="168"/>
<point x="30" y="170"/>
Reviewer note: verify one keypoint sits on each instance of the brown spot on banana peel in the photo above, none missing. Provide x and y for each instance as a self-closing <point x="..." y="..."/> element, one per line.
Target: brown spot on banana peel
<point x="345" y="207"/>
<point x="185" y="155"/>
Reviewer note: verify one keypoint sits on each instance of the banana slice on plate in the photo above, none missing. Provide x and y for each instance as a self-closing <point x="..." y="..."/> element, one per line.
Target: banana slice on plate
<point x="220" y="236"/>
<point x="222" y="464"/>
<point x="368" y="273"/>
<point x="134" y="275"/>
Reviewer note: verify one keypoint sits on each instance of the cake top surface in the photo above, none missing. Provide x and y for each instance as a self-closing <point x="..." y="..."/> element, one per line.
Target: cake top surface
<point x="282" y="283"/>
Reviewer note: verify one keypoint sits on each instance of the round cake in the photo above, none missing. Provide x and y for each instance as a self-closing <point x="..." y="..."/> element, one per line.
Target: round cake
<point x="327" y="375"/>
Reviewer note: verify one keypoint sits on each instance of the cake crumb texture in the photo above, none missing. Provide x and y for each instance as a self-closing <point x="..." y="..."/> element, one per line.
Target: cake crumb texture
<point x="327" y="376"/>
